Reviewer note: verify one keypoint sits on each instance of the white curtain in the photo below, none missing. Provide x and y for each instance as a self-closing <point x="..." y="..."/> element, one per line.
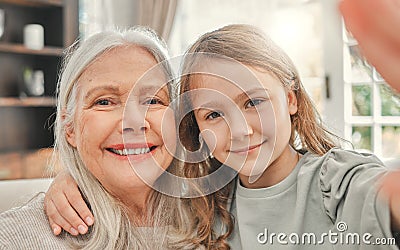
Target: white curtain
<point x="99" y="15"/>
<point x="157" y="14"/>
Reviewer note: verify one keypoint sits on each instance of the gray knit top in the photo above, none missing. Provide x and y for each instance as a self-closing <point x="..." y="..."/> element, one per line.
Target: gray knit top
<point x="27" y="227"/>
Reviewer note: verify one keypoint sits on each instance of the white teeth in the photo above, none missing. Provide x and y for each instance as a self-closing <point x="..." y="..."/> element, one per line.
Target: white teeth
<point x="131" y="151"/>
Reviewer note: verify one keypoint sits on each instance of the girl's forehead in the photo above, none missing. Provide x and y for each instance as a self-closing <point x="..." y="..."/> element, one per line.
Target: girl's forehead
<point x="244" y="79"/>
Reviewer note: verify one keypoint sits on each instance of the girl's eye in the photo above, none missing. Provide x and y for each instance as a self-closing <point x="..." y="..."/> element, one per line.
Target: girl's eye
<point x="253" y="102"/>
<point x="214" y="115"/>
<point x="103" y="102"/>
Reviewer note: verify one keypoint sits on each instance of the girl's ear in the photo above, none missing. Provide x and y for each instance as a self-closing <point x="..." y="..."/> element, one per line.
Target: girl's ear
<point x="292" y="102"/>
<point x="69" y="130"/>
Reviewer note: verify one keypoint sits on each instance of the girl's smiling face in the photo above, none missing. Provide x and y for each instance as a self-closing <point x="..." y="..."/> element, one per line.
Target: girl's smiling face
<point x="117" y="120"/>
<point x="243" y="114"/>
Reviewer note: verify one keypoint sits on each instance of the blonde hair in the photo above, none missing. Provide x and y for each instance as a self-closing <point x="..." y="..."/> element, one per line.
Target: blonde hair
<point x="248" y="45"/>
<point x="174" y="223"/>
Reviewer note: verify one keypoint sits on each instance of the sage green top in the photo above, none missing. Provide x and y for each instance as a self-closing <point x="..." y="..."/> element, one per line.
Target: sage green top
<point x="328" y="202"/>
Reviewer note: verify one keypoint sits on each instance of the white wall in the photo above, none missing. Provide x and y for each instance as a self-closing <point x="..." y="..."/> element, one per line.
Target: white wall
<point x="333" y="64"/>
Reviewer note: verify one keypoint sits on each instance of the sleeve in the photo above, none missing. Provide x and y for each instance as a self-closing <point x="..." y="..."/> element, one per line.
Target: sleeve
<point x="351" y="196"/>
<point x="6" y="228"/>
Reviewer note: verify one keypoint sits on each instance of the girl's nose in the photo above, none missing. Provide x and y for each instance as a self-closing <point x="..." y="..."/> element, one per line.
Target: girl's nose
<point x="240" y="128"/>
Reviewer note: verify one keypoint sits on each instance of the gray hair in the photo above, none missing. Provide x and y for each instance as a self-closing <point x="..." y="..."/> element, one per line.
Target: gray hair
<point x="113" y="228"/>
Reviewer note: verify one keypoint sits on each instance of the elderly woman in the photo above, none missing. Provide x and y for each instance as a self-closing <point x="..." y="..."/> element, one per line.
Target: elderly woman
<point x="114" y="158"/>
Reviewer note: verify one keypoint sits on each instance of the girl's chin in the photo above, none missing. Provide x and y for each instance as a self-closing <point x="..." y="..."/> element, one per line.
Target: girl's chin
<point x="248" y="168"/>
<point x="252" y="173"/>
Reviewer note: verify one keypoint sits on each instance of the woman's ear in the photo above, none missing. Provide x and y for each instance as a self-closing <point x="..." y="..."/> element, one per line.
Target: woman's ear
<point x="68" y="129"/>
<point x="292" y="102"/>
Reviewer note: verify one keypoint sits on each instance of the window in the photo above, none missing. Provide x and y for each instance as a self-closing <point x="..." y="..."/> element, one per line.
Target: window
<point x="357" y="104"/>
<point x="294" y="25"/>
<point x="373" y="123"/>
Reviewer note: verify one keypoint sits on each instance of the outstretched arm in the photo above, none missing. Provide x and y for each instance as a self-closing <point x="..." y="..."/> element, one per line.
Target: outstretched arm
<point x="375" y="23"/>
<point x="391" y="187"/>
<point x="65" y="206"/>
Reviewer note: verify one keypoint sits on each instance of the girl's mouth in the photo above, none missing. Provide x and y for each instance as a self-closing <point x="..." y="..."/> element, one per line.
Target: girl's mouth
<point x="247" y="149"/>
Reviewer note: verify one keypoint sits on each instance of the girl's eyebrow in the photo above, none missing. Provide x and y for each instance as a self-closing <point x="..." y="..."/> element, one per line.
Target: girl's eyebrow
<point x="245" y="95"/>
<point x="210" y="105"/>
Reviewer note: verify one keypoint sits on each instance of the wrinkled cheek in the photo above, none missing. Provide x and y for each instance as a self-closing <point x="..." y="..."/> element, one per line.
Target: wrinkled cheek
<point x="168" y="132"/>
<point x="86" y="145"/>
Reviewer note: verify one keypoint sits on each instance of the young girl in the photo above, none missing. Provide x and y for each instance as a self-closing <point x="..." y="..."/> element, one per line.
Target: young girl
<point x="296" y="187"/>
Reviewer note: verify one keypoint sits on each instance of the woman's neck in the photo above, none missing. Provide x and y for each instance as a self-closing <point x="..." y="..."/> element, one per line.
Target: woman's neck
<point x="276" y="172"/>
<point x="136" y="203"/>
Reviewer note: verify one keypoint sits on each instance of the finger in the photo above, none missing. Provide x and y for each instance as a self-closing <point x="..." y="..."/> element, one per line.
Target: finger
<point x="56" y="228"/>
<point x="57" y="221"/>
<point x="353" y="17"/>
<point x="77" y="202"/>
<point x="381" y="51"/>
<point x="375" y="18"/>
<point x="384" y="57"/>
<point x="383" y="18"/>
<point x="67" y="214"/>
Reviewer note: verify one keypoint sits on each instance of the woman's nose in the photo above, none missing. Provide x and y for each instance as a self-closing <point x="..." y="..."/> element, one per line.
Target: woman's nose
<point x="134" y="120"/>
<point x="138" y="127"/>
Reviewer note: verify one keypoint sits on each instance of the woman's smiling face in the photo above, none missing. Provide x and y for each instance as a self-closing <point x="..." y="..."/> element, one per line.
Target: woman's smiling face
<point x="118" y="120"/>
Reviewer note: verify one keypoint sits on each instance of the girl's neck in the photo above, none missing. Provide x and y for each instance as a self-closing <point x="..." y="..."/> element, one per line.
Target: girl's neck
<point x="276" y="172"/>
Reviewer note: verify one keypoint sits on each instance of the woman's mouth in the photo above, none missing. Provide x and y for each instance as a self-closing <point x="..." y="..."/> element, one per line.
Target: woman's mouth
<point x="131" y="151"/>
<point x="135" y="151"/>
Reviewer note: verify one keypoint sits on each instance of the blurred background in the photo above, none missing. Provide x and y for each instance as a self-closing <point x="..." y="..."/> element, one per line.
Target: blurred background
<point x="354" y="100"/>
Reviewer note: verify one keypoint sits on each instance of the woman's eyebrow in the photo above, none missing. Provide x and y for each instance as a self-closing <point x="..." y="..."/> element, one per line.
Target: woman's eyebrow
<point x="112" y="89"/>
<point x="153" y="89"/>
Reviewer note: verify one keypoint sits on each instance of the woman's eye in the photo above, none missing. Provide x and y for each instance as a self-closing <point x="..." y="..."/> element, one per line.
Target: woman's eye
<point x="153" y="101"/>
<point x="253" y="102"/>
<point x="213" y="115"/>
<point x="103" y="102"/>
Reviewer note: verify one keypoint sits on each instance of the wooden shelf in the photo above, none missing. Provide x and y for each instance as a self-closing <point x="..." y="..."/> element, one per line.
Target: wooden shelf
<point x="21" y="49"/>
<point x="26" y="121"/>
<point x="34" y="3"/>
<point x="27" y="102"/>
